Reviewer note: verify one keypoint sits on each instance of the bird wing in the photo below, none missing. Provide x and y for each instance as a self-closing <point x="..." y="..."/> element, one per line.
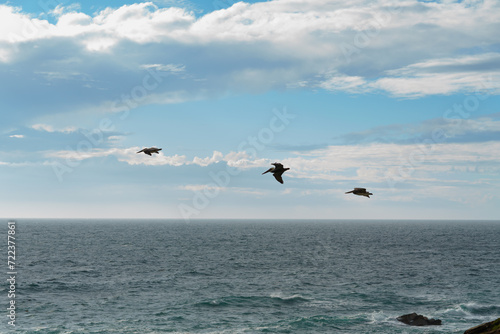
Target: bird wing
<point x="148" y="153"/>
<point x="349" y="192"/>
<point x="278" y="165"/>
<point x="267" y="171"/>
<point x="278" y="178"/>
<point x="360" y="189"/>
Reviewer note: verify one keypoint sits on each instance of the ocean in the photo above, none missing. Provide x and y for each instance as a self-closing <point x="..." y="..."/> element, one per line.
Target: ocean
<point x="250" y="276"/>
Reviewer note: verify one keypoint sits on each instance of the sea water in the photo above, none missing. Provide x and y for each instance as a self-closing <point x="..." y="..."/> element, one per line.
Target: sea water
<point x="252" y="276"/>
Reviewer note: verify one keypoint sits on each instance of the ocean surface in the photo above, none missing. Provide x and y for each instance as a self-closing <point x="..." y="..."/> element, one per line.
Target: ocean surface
<point x="244" y="276"/>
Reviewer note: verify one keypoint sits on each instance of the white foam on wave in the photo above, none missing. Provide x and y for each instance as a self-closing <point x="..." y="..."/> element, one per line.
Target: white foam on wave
<point x="379" y="316"/>
<point x="471" y="310"/>
<point x="282" y="296"/>
<point x="390" y="319"/>
<point x="382" y="317"/>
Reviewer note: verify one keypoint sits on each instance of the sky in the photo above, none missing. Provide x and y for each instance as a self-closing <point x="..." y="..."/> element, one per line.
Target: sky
<point x="397" y="96"/>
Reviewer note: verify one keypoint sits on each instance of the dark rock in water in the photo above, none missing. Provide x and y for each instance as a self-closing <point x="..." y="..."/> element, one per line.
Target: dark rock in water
<point x="414" y="319"/>
<point x="492" y="327"/>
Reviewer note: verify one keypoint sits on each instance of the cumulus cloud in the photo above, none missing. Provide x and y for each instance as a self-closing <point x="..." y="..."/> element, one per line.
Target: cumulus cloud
<point x="167" y="55"/>
<point x="130" y="156"/>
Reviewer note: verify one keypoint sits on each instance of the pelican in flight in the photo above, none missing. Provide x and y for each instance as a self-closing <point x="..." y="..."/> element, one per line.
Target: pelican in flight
<point x="277" y="171"/>
<point x="360" y="192"/>
<point x="150" y="150"/>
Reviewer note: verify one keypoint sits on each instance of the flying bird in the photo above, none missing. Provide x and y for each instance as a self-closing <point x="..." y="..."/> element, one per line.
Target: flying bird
<point x="277" y="171"/>
<point x="150" y="150"/>
<point x="360" y="192"/>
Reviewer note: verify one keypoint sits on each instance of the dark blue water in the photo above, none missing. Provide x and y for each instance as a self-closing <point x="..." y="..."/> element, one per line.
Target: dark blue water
<point x="118" y="276"/>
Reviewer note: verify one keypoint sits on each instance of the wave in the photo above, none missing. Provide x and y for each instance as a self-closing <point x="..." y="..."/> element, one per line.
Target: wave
<point x="316" y="321"/>
<point x="472" y="310"/>
<point x="253" y="301"/>
<point x="196" y="273"/>
<point x="286" y="299"/>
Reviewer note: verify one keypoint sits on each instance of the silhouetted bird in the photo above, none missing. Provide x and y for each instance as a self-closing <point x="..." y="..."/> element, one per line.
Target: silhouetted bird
<point x="150" y="150"/>
<point x="277" y="171"/>
<point x="360" y="192"/>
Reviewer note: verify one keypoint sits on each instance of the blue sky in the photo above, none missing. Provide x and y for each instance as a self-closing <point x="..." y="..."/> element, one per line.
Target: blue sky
<point x="400" y="97"/>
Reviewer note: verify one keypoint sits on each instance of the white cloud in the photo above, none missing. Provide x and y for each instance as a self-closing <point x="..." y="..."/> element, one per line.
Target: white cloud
<point x="198" y="187"/>
<point x="55" y="75"/>
<point x="216" y="157"/>
<point x="478" y="126"/>
<point x="454" y="125"/>
<point x="375" y="163"/>
<point x="141" y="22"/>
<point x="171" y="68"/>
<point x="59" y="10"/>
<point x="130" y="156"/>
<point x="16" y="136"/>
<point x="445" y="76"/>
<point x="233" y="159"/>
<point x="354" y="46"/>
<point x="390" y="164"/>
<point x="339" y="82"/>
<point x="26" y="163"/>
<point x="18" y="27"/>
<point x="80" y="155"/>
<point x="50" y="128"/>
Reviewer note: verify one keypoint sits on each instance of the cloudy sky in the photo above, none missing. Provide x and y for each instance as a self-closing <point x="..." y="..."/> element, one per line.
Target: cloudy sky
<point x="398" y="96"/>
